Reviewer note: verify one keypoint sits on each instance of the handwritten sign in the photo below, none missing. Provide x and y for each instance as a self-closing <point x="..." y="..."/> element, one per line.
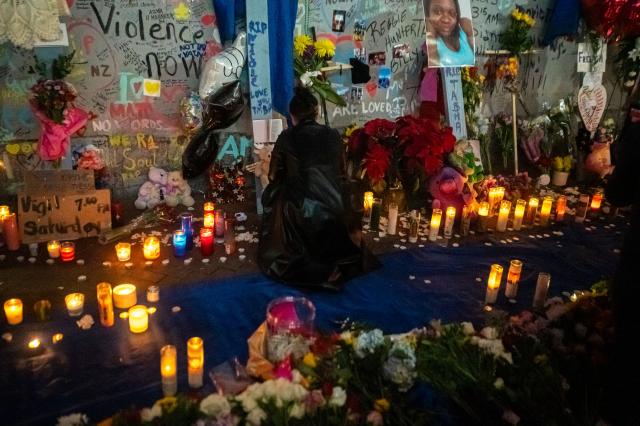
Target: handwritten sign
<point x="58" y="181"/>
<point x="588" y="62"/>
<point x="454" y="101"/>
<point x="63" y="216"/>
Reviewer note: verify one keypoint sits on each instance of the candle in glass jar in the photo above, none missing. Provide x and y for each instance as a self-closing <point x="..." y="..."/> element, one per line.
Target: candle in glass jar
<point x="206" y="241"/>
<point x="219" y="226"/>
<point x="4" y="210"/>
<point x="195" y="361"/>
<point x="67" y="251"/>
<point x="493" y="197"/>
<point x="414" y="225"/>
<point x="493" y="284"/>
<point x="483" y="216"/>
<point x="53" y="247"/>
<point x="542" y="287"/>
<point x="186" y="224"/>
<point x="596" y="201"/>
<point x="581" y="208"/>
<point x="124" y="296"/>
<point x="208" y="220"/>
<point x="448" y="221"/>
<point x="434" y="226"/>
<point x="105" y="304"/>
<point x="532" y="210"/>
<point x="518" y="214"/>
<point x="368" y="204"/>
<point x="153" y="294"/>
<point x="13" y="311"/>
<point x="168" y="370"/>
<point x="123" y="251"/>
<point x="138" y="319"/>
<point x="179" y="243"/>
<point x="229" y="236"/>
<point x="545" y="211"/>
<point x="561" y="208"/>
<point x="503" y="215"/>
<point x="75" y="304"/>
<point x="465" y="220"/>
<point x="376" y="207"/>
<point x="500" y="194"/>
<point x="151" y="248"/>
<point x="10" y="230"/>
<point x="392" y="222"/>
<point x="513" y="277"/>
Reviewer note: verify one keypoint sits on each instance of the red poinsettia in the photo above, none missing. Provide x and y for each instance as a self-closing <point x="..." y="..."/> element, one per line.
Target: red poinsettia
<point x="425" y="143"/>
<point x="376" y="162"/>
<point x="380" y="128"/>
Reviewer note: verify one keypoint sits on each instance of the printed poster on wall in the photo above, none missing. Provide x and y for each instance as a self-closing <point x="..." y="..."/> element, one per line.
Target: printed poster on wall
<point x="449" y="33"/>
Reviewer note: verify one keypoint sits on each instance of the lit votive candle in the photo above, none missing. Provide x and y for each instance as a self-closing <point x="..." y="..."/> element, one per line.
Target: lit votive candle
<point x="10" y="230"/>
<point x="503" y="215"/>
<point x="151" y="248"/>
<point x="34" y="343"/>
<point x="448" y="221"/>
<point x="513" y="277"/>
<point x="124" y="296"/>
<point x="493" y="284"/>
<point x="581" y="208"/>
<point x="195" y="361"/>
<point x="123" y="251"/>
<point x="208" y="220"/>
<point x="561" y="208"/>
<point x="500" y="194"/>
<point x="596" y="201"/>
<point x="105" y="304"/>
<point x="542" y="288"/>
<point x="545" y="211"/>
<point x="465" y="220"/>
<point x="483" y="216"/>
<point x="179" y="243"/>
<point x="518" y="214"/>
<point x="13" y="311"/>
<point x="368" y="203"/>
<point x="168" y="370"/>
<point x="206" y="241"/>
<point x="4" y="210"/>
<point x="392" y="222"/>
<point x="138" y="319"/>
<point x="75" y="304"/>
<point x="53" y="247"/>
<point x="153" y="294"/>
<point x="493" y="199"/>
<point x="434" y="225"/>
<point x="67" y="251"/>
<point x="532" y="210"/>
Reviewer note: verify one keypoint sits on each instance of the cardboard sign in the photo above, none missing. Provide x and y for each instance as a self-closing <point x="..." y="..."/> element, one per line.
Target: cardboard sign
<point x="454" y="100"/>
<point x="63" y="216"/>
<point x="58" y="181"/>
<point x="587" y="62"/>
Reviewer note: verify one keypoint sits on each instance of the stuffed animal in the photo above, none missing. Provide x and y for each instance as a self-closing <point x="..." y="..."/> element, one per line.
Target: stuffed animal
<point x="449" y="188"/>
<point x="151" y="193"/>
<point x="464" y="160"/>
<point x="178" y="190"/>
<point x="599" y="160"/>
<point x="261" y="168"/>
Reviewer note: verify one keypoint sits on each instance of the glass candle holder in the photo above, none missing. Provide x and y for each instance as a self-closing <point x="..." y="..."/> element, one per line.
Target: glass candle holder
<point x="219" y="226"/>
<point x="288" y="318"/>
<point x="596" y="201"/>
<point x="434" y="225"/>
<point x="545" y="211"/>
<point x="542" y="288"/>
<point x="124" y="296"/>
<point x="483" y="217"/>
<point x="376" y="210"/>
<point x="53" y="247"/>
<point x="208" y="220"/>
<point x="186" y="224"/>
<point x="465" y="221"/>
<point x="493" y="284"/>
<point x="75" y="304"/>
<point x="561" y="208"/>
<point x="229" y="236"/>
<point x="532" y="211"/>
<point x="4" y="210"/>
<point x="367" y="205"/>
<point x="105" y="304"/>
<point x="151" y="248"/>
<point x="513" y="277"/>
<point x="168" y="370"/>
<point x="179" y="243"/>
<point x="42" y="310"/>
<point x="392" y="222"/>
<point x="67" y="251"/>
<point x="581" y="208"/>
<point x="448" y="222"/>
<point x="414" y="226"/>
<point x="503" y="215"/>
<point x="123" y="251"/>
<point x="206" y="241"/>
<point x="492" y="198"/>
<point x="13" y="311"/>
<point x="153" y="294"/>
<point x="195" y="361"/>
<point x="10" y="230"/>
<point x="138" y="319"/>
<point x="518" y="214"/>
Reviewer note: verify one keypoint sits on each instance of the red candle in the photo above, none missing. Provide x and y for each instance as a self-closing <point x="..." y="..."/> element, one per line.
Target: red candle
<point x="10" y="229"/>
<point x="206" y="241"/>
<point x="219" y="224"/>
<point x="117" y="214"/>
<point x="67" y="251"/>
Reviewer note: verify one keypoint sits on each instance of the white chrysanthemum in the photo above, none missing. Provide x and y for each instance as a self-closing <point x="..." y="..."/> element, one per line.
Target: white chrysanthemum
<point x="467" y="329"/>
<point x="489" y="333"/>
<point x="338" y="397"/>
<point x="297" y="411"/>
<point x="75" y="419"/>
<point x="256" y="416"/>
<point x="215" y="405"/>
<point x="148" y="414"/>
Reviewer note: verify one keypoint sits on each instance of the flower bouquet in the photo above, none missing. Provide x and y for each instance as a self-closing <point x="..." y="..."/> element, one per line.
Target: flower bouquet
<point x="472" y="89"/>
<point x="309" y="58"/>
<point x="159" y="214"/>
<point x="90" y="158"/>
<point x="561" y="168"/>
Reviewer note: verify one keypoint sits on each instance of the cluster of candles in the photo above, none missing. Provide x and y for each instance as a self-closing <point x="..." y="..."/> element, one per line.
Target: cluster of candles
<point x="524" y="213"/>
<point x="169" y="364"/>
<point x="65" y="251"/>
<point x="513" y="278"/>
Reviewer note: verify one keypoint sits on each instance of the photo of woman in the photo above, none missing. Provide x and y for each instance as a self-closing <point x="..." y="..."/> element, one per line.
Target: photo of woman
<point x="449" y="33"/>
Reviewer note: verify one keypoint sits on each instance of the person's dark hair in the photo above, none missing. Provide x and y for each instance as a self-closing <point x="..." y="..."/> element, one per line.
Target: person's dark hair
<point x="427" y="9"/>
<point x="303" y="105"/>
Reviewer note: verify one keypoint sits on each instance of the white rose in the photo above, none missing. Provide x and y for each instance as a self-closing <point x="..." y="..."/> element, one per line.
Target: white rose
<point x="297" y="411"/>
<point x="256" y="416"/>
<point x="149" y="414"/>
<point x="544" y="180"/>
<point x="489" y="333"/>
<point x="338" y="397"/>
<point x="467" y="329"/>
<point x="499" y="383"/>
<point x="249" y="404"/>
<point x="75" y="419"/>
<point x="215" y="405"/>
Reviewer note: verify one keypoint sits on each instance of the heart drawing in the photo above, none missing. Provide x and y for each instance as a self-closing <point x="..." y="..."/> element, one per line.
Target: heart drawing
<point x="591" y="103"/>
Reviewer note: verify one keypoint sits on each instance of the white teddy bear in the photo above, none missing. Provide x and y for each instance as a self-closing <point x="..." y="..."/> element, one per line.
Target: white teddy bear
<point x="178" y="190"/>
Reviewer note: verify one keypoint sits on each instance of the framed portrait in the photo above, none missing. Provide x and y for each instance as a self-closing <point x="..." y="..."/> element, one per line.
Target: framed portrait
<point x="339" y="16"/>
<point x="449" y="33"/>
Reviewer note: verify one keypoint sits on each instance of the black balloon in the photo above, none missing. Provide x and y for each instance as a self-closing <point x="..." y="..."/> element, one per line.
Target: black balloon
<point x="222" y="109"/>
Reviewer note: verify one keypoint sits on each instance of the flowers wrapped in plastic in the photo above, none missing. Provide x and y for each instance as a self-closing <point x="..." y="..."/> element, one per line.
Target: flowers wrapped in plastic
<point x="158" y="215"/>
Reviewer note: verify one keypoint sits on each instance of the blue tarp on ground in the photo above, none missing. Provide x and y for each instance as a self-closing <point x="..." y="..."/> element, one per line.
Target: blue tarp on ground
<point x="103" y="369"/>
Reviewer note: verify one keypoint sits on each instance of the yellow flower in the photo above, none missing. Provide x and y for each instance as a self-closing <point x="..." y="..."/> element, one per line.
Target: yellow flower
<point x="310" y="360"/>
<point x="300" y="44"/>
<point x="481" y="78"/>
<point x="349" y="130"/>
<point x="325" y="49"/>
<point x="167" y="403"/>
<point x="347" y="337"/>
<point x="381" y="405"/>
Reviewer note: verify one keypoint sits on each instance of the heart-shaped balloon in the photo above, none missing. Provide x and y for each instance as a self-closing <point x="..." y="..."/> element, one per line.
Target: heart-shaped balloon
<point x="613" y="19"/>
<point x="591" y="103"/>
<point x="223" y="68"/>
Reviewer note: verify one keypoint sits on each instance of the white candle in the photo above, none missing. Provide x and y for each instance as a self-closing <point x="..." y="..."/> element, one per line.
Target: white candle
<point x="392" y="222"/>
<point x="448" y="221"/>
<point x="123" y="251"/>
<point x="75" y="304"/>
<point x="581" y="208"/>
<point x="532" y="211"/>
<point x="542" y="287"/>
<point x="545" y="211"/>
<point x="503" y="215"/>
<point x="483" y="216"/>
<point x="195" y="361"/>
<point x="13" y="311"/>
<point x="518" y="214"/>
<point x="168" y="369"/>
<point x="124" y="296"/>
<point x="465" y="220"/>
<point x="53" y="247"/>
<point x="434" y="227"/>
<point x="513" y="277"/>
<point x="153" y="294"/>
<point x="138" y="319"/>
<point x="493" y="284"/>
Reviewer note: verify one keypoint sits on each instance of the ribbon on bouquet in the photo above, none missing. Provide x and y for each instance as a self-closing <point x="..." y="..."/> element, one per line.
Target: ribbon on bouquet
<point x="55" y="137"/>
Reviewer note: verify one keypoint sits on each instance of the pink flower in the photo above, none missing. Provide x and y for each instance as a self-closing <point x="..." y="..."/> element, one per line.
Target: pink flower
<point x="374" y="418"/>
